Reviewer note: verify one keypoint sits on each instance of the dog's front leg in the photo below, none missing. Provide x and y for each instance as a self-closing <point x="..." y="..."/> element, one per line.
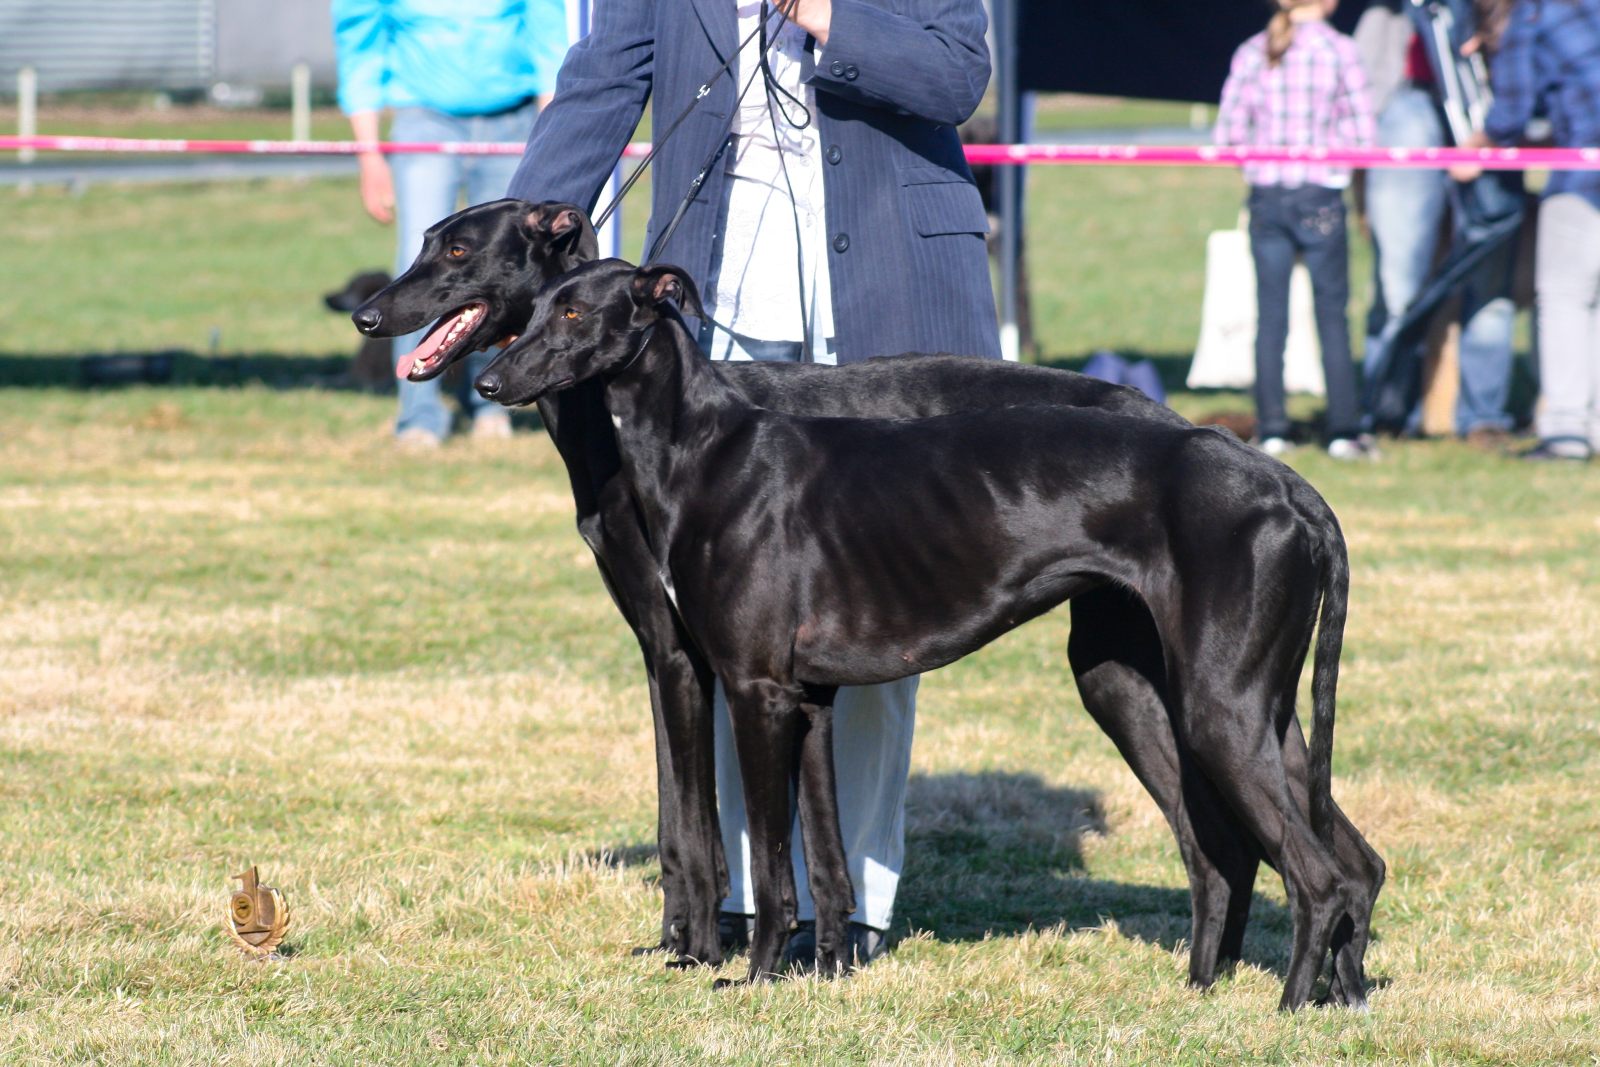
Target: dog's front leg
<point x="826" y="865"/>
<point x="767" y="730"/>
<point x="694" y="872"/>
<point x="688" y="792"/>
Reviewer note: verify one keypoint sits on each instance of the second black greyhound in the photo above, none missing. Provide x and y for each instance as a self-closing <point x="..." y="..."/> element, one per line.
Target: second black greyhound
<point x="492" y="259"/>
<point x="802" y="554"/>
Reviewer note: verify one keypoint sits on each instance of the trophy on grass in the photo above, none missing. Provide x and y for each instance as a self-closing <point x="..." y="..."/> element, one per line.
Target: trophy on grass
<point x="257" y="916"/>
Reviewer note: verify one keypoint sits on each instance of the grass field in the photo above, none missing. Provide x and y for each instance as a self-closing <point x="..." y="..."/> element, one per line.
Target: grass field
<point x="239" y="628"/>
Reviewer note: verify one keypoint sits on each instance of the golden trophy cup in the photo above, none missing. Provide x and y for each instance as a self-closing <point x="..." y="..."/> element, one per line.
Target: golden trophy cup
<point x="257" y="916"/>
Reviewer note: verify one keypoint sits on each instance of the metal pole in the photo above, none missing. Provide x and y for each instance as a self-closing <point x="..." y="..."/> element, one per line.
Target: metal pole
<point x="300" y="102"/>
<point x="27" y="110"/>
<point x="1010" y="126"/>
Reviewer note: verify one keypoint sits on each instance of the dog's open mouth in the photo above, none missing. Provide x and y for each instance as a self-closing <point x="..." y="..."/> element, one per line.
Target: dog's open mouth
<point x="434" y="353"/>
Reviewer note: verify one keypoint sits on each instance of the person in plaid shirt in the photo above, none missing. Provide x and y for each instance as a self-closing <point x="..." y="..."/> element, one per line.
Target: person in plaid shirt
<point x="1550" y="59"/>
<point x="1300" y="83"/>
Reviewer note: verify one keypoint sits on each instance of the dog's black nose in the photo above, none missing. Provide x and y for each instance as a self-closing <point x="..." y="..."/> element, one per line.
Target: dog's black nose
<point x="489" y="384"/>
<point x="367" y="319"/>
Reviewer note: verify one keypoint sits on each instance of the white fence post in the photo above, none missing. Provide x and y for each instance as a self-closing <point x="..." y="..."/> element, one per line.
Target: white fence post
<point x="27" y="109"/>
<point x="300" y="102"/>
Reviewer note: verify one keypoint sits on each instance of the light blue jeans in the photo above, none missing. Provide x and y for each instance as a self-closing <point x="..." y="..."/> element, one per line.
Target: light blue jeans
<point x="1406" y="209"/>
<point x="426" y="189"/>
<point x="872" y="731"/>
<point x="1568" y="279"/>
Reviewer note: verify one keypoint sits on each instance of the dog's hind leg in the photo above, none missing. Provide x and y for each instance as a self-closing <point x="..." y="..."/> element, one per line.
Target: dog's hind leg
<point x="1117" y="659"/>
<point x="826" y="865"/>
<point x="767" y="730"/>
<point x="1234" y="742"/>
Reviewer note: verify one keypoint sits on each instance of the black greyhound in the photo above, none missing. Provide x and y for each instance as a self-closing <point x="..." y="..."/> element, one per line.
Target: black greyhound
<point x="495" y="256"/>
<point x="803" y="554"/>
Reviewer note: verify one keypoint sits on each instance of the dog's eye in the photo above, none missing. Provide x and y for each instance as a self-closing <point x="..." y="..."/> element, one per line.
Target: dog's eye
<point x="571" y="315"/>
<point x="456" y="252"/>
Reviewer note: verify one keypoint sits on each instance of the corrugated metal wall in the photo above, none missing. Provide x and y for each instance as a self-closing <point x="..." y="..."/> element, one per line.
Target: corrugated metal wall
<point x="163" y="44"/>
<point x="109" y="44"/>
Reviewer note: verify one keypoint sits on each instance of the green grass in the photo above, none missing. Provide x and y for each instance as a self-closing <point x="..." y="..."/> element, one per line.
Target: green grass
<point x="237" y="627"/>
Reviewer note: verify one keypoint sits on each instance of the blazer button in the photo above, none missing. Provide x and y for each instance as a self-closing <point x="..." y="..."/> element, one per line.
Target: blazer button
<point x="841" y="243"/>
<point x="836" y="69"/>
<point x="834" y="155"/>
<point x="851" y="73"/>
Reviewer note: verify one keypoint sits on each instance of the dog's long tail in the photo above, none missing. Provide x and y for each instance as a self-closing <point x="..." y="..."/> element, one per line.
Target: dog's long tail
<point x="1325" y="678"/>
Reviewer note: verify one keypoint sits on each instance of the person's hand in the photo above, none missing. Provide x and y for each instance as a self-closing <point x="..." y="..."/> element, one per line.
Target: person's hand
<point x="377" y="187"/>
<point x="1466" y="172"/>
<point x="813" y="16"/>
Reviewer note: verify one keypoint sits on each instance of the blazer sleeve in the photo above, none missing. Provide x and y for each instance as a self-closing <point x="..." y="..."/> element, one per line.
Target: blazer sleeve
<point x="600" y="97"/>
<point x="934" y="65"/>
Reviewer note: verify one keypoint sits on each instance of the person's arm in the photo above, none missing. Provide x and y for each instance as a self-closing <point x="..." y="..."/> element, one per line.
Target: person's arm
<point x="599" y="99"/>
<point x="1234" y="110"/>
<point x="934" y="65"/>
<point x="361" y="48"/>
<point x="376" y="180"/>
<point x="1513" y="78"/>
<point x="1516" y="90"/>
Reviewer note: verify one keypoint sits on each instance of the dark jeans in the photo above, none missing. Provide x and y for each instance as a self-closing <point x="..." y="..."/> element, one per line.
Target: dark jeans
<point x="1308" y="221"/>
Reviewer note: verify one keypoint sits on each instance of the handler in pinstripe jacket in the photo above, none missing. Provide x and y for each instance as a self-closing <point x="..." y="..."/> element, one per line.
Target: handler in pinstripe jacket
<point x="841" y="214"/>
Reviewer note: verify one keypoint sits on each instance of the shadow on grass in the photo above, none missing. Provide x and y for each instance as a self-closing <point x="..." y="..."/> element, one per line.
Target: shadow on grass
<point x="997" y="854"/>
<point x="1173" y="369"/>
<point x="176" y="367"/>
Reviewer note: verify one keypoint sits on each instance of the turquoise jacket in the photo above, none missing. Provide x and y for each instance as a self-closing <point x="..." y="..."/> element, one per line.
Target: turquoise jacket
<point x="462" y="57"/>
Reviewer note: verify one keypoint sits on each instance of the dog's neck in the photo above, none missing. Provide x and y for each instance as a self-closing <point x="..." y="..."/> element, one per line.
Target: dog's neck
<point x="668" y="388"/>
<point x="665" y="402"/>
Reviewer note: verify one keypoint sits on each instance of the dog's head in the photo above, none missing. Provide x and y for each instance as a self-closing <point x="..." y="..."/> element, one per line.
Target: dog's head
<point x="357" y="291"/>
<point x="590" y="322"/>
<point x="477" y="275"/>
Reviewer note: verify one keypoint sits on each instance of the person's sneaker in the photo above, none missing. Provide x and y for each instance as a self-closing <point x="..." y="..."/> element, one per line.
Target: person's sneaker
<point x="1488" y="438"/>
<point x="1558" y="450"/>
<point x="417" y="439"/>
<point x="734" y="930"/>
<point x="491" y="425"/>
<point x="1354" y="448"/>
<point x="1276" y="446"/>
<point x="867" y="943"/>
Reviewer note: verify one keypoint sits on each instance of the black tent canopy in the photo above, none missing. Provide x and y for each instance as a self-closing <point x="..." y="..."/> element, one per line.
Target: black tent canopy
<point x="1153" y="49"/>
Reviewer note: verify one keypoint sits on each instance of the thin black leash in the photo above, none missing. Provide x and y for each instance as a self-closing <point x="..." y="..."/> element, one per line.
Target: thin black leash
<point x="644" y="164"/>
<point x="776" y="97"/>
<point x="768" y="83"/>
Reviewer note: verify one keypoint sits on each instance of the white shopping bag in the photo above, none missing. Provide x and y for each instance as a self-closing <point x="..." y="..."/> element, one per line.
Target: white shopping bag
<point x="1225" y="356"/>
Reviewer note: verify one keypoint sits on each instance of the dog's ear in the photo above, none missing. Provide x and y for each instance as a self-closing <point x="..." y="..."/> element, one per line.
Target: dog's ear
<point x="567" y="230"/>
<point x="574" y="235"/>
<point x="654" y="286"/>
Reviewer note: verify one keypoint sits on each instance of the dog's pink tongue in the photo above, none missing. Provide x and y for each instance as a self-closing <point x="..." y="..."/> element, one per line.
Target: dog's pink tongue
<point x="430" y="344"/>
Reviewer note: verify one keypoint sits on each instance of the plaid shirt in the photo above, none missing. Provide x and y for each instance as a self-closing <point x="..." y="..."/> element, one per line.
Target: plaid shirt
<point x="1315" y="97"/>
<point x="1549" y="60"/>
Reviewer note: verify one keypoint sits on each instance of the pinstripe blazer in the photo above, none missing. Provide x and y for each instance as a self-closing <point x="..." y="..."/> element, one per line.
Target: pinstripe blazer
<point x="907" y="261"/>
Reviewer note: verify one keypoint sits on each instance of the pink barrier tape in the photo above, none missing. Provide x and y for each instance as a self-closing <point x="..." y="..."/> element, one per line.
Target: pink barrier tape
<point x="1003" y="155"/>
<point x="271" y="148"/>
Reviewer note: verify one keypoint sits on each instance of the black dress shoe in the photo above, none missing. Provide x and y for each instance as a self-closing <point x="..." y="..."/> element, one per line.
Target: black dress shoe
<point x="1558" y="450"/>
<point x="867" y="943"/>
<point x="734" y="930"/>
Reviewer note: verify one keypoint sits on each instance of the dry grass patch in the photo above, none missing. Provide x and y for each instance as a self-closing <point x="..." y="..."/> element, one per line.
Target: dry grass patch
<point x="237" y="627"/>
